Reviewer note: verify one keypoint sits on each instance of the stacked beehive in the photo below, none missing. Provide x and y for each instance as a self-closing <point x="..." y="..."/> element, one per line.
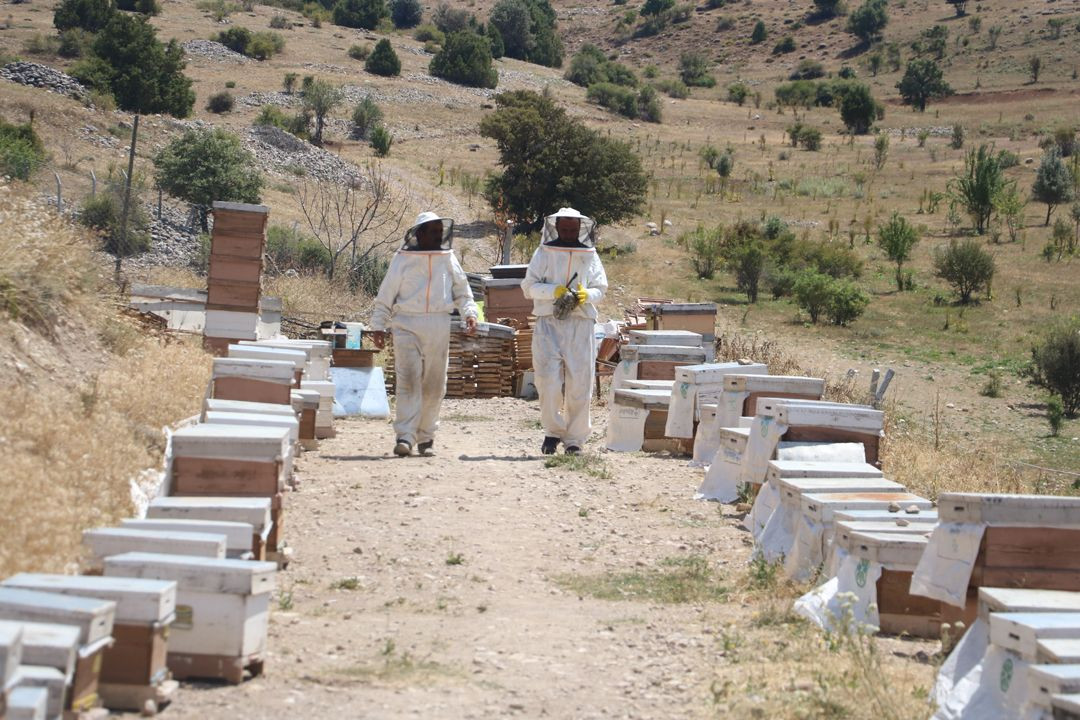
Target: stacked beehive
<point x="233" y="286"/>
<point x="481" y="366"/>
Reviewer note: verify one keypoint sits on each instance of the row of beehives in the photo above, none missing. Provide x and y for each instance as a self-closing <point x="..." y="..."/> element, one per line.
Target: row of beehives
<point x="183" y="592"/>
<point x="893" y="561"/>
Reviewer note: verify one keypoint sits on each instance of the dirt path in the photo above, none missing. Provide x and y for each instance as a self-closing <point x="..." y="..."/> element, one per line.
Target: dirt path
<point x="438" y="587"/>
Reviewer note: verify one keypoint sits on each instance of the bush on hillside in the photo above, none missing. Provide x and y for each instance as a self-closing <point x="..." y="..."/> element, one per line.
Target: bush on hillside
<point x="364" y="14"/>
<point x="221" y="102"/>
<point x="22" y="153"/>
<point x="406" y="13"/>
<point x="289" y="249"/>
<point x="465" y="59"/>
<point x="103" y="212"/>
<point x="381" y="140"/>
<point x="966" y="266"/>
<point x="383" y="60"/>
<point x="1055" y="364"/>
<point x="694" y="70"/>
<point x="449" y="19"/>
<point x="365" y="117"/>
<point x="89" y="15"/>
<point x="429" y="33"/>
<point x="359" y="52"/>
<point x="146" y="7"/>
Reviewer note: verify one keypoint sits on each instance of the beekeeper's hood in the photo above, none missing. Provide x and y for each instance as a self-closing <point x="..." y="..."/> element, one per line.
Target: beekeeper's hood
<point x="416" y="232"/>
<point x="586" y="231"/>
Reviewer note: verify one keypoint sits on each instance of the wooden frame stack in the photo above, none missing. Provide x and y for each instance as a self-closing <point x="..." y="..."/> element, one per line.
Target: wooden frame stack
<point x="234" y="281"/>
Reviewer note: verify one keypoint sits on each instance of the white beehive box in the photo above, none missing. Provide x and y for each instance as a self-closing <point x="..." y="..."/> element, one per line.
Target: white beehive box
<point x="10" y="652"/>
<point x="1019" y="632"/>
<point x="264" y="352"/>
<point x="833" y="415"/>
<point x="820" y="507"/>
<point x="243" y="406"/>
<point x="715" y="373"/>
<point x="51" y="680"/>
<point x="319" y="353"/>
<point x="94" y="618"/>
<point x="810" y="469"/>
<point x="273" y="371"/>
<point x="28" y="703"/>
<point x="1025" y="600"/>
<point x="231" y="324"/>
<point x="237" y="534"/>
<point x="647" y="399"/>
<point x="255" y="420"/>
<point x="103" y="542"/>
<point x="662" y="353"/>
<point x="138" y="601"/>
<point x="223" y="606"/>
<point x="231" y="442"/>
<point x="1058" y="651"/>
<point x="843" y="529"/>
<point x="991" y="509"/>
<point x="756" y="383"/>
<point x="681" y="338"/>
<point x="51" y="645"/>
<point x="305" y="400"/>
<point x="793" y="488"/>
<point x="250" y="510"/>
<point x="664" y="385"/>
<point x="894" y="551"/>
<point x="1045" y="681"/>
<point x="324" y="416"/>
<point x="922" y="515"/>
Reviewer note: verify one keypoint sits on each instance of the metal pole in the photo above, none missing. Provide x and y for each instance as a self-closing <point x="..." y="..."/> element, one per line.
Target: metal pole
<point x="127" y="199"/>
<point x="59" y="195"/>
<point x="93" y="183"/>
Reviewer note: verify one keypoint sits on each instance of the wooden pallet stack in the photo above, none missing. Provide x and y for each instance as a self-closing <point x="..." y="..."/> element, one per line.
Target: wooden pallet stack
<point x="481" y="366"/>
<point x="234" y="281"/>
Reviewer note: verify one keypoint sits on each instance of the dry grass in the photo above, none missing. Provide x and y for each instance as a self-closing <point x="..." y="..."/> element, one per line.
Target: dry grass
<point x="72" y="440"/>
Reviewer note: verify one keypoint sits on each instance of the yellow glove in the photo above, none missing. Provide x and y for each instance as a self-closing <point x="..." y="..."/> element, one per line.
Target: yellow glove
<point x="582" y="294"/>
<point x="560" y="291"/>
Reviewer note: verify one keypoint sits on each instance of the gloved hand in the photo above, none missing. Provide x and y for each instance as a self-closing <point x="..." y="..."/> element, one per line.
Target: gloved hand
<point x="470" y="326"/>
<point x="582" y="294"/>
<point x="561" y="290"/>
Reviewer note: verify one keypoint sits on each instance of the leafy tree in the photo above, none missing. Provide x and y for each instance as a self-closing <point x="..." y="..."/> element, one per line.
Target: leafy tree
<point x="706" y="248"/>
<point x="897" y="238"/>
<point x="551" y="160"/>
<point x="465" y="59"/>
<point x="383" y="60"/>
<point x="694" y="70"/>
<point x="22" y="152"/>
<point x="320" y="97"/>
<point x="724" y="165"/>
<point x="381" y="140"/>
<point x="847" y="301"/>
<point x="1055" y="364"/>
<point x="528" y="30"/>
<point x="738" y="92"/>
<point x="813" y="291"/>
<point x="202" y="166"/>
<point x="450" y="19"/>
<point x="146" y="7"/>
<point x="922" y="81"/>
<point x="656" y="7"/>
<point x="858" y="109"/>
<point x="745" y="257"/>
<point x="982" y="183"/>
<point x="364" y="14"/>
<point x="143" y="75"/>
<point x="235" y="38"/>
<point x="786" y="45"/>
<point x="366" y="116"/>
<point x="759" y="33"/>
<point x="810" y="139"/>
<point x="590" y="66"/>
<point x="827" y="9"/>
<point x="1034" y="66"/>
<point x="406" y="13"/>
<point x="619" y="99"/>
<point x="498" y="47"/>
<point x="966" y="266"/>
<point x="868" y="20"/>
<point x="89" y="15"/>
<point x="933" y="40"/>
<point x="1053" y="182"/>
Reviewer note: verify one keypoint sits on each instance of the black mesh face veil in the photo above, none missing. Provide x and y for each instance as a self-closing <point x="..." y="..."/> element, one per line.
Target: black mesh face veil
<point x="426" y="236"/>
<point x="586" y="229"/>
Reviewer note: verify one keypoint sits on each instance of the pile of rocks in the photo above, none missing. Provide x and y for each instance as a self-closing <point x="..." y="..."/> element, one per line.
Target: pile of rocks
<point x="174" y="238"/>
<point x="281" y="154"/>
<point x="213" y="51"/>
<point x="279" y="98"/>
<point x="43" y="76"/>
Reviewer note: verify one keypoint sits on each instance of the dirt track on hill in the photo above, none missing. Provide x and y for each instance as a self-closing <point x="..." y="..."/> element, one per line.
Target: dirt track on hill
<point x="495" y="635"/>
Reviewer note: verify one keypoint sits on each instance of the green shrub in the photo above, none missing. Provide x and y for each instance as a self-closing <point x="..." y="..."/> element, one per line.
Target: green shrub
<point x="589" y="66"/>
<point x="738" y="92"/>
<point x="465" y="59"/>
<point x="264" y="45"/>
<point x="406" y="13"/>
<point x="90" y="15"/>
<point x="381" y="140"/>
<point x="359" y="52"/>
<point x="810" y="139"/>
<point x="966" y="266"/>
<point x="1055" y="364"/>
<point x="786" y="45"/>
<point x="807" y="70"/>
<point x="365" y="117"/>
<point x="673" y="88"/>
<point x="235" y="38"/>
<point x="706" y="250"/>
<point x="22" y="152"/>
<point x="847" y="302"/>
<point x="42" y="44"/>
<point x="759" y="33"/>
<point x="271" y="115"/>
<point x="694" y="70"/>
<point x="429" y="33"/>
<point x="103" y="212"/>
<point x="616" y="98"/>
<point x="813" y="292"/>
<point x="146" y="7"/>
<point x="289" y="249"/>
<point x="364" y="14"/>
<point x="383" y="60"/>
<point x="221" y="102"/>
<point x="781" y="282"/>
<point x="650" y="108"/>
<point x="280" y="22"/>
<point x="1055" y="414"/>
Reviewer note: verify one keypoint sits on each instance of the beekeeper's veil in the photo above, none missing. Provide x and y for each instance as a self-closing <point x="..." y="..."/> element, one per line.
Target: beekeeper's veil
<point x="415" y="233"/>
<point x="586" y="232"/>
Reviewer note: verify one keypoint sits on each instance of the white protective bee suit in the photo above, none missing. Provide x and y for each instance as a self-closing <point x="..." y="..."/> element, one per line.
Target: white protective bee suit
<point x="420" y="290"/>
<point x="564" y="351"/>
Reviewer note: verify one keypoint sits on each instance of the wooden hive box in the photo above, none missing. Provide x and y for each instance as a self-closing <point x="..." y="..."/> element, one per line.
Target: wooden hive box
<point x="694" y="317"/>
<point x="324" y="416"/>
<point x="262" y="352"/>
<point x="504" y="299"/>
<point x="236" y="252"/>
<point x="222" y="611"/>
<point x="1029" y="541"/>
<point x="319" y="353"/>
<point x="102" y="542"/>
<point x="899" y="611"/>
<point x="638" y="421"/>
<point x="229" y="460"/>
<point x="253" y="511"/>
<point x="833" y="422"/>
<point x="237" y="534"/>
<point x="55" y="685"/>
<point x="221" y="417"/>
<point x="265" y="381"/>
<point x="144" y="611"/>
<point x="93" y="618"/>
<point x="658" y="362"/>
<point x="756" y="386"/>
<point x="306" y="404"/>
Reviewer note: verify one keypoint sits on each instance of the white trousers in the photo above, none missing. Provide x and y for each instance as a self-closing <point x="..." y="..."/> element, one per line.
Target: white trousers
<point x="564" y="365"/>
<point x="421" y="352"/>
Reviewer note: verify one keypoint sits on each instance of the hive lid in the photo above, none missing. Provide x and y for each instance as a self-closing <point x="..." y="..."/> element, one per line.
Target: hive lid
<point x="714" y="373"/>
<point x="253" y="419"/>
<point x="254" y="511"/>
<point x="643" y="398"/>
<point x="1019" y="631"/>
<point x="924" y="515"/>
<point x="298" y="358"/>
<point x="113" y="541"/>
<point x="755" y="383"/>
<point x="816" y="469"/>
<point x="275" y="371"/>
<point x="137" y="601"/>
<point x="11" y="634"/>
<point x="194" y="574"/>
<point x="662" y="353"/>
<point x="821" y="506"/>
<point x="992" y="599"/>
<point x="28" y="702"/>
<point x="1007" y="509"/>
<point x="93" y="617"/>
<point x="1061" y="650"/>
<point x="792" y="488"/>
<point x="237" y="534"/>
<point x="231" y="442"/>
<point x="51" y="645"/>
<point x="892" y="550"/>
<point x="833" y="415"/>
<point x="683" y="338"/>
<point x="664" y="385"/>
<point x="244" y="406"/>
<point x="1047" y="680"/>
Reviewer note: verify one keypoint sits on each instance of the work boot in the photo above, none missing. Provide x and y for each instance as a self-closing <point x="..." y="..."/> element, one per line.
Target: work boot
<point x="551" y="444"/>
<point x="572" y="450"/>
<point x="403" y="448"/>
<point x="427" y="449"/>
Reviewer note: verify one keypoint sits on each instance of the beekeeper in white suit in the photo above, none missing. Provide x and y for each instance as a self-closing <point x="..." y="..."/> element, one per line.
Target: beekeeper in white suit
<point x="423" y="285"/>
<point x="564" y="348"/>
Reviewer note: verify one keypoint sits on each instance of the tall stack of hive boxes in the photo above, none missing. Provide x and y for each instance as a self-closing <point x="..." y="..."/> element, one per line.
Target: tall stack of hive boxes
<point x="233" y="287"/>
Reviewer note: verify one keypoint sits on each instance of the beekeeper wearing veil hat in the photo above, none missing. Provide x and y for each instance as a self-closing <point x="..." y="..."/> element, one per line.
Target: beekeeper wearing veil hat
<point x="565" y="281"/>
<point x="422" y="287"/>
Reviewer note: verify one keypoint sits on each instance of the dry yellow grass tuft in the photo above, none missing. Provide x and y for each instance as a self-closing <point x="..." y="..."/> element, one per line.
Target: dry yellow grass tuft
<point x="71" y="441"/>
